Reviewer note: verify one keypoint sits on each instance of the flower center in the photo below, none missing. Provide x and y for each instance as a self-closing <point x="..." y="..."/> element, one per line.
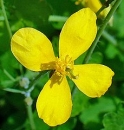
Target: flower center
<point x="64" y="67"/>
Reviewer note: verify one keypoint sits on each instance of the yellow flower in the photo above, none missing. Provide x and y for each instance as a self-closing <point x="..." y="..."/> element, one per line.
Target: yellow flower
<point x="33" y="50"/>
<point x="95" y="6"/>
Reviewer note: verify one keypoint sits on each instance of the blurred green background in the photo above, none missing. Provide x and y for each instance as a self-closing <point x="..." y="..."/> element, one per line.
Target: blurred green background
<point x="104" y="113"/>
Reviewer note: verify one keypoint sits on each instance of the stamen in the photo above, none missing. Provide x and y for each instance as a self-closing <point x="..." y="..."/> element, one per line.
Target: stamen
<point x="71" y="74"/>
<point x="65" y="67"/>
<point x="74" y="76"/>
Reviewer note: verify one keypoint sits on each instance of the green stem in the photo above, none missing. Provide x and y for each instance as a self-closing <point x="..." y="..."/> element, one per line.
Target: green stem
<point x="29" y="108"/>
<point x="33" y="82"/>
<point x="6" y="19"/>
<point x="100" y="10"/>
<point x="21" y="69"/>
<point x="110" y="38"/>
<point x="100" y="31"/>
<point x="30" y="116"/>
<point x="27" y="94"/>
<point x="14" y="90"/>
<point x="9" y="76"/>
<point x="56" y="18"/>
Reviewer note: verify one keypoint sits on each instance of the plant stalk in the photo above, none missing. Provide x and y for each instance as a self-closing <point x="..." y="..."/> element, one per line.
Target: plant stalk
<point x="100" y="31"/>
<point x="30" y="116"/>
<point x="6" y="19"/>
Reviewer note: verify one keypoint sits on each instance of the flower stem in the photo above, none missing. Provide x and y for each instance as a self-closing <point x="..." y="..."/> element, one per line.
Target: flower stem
<point x="30" y="116"/>
<point x="57" y="18"/>
<point x="32" y="83"/>
<point x="100" y="31"/>
<point x="100" y="10"/>
<point x="27" y="94"/>
<point x="9" y="76"/>
<point x="6" y="19"/>
<point x="109" y="38"/>
<point x="14" y="90"/>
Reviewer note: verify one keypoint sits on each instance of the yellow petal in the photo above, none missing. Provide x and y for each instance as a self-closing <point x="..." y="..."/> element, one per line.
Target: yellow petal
<point x="32" y="48"/>
<point x="54" y="102"/>
<point x="96" y="5"/>
<point x="94" y="79"/>
<point x="78" y="33"/>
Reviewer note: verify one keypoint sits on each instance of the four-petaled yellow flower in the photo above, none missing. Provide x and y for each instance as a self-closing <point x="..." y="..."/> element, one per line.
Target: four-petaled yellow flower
<point x="33" y="50"/>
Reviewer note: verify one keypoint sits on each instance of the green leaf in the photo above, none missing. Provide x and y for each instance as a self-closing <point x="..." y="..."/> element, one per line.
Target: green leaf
<point x="111" y="51"/>
<point x="79" y="102"/>
<point x="4" y="39"/>
<point x="34" y="10"/>
<point x="114" y="120"/>
<point x="96" y="107"/>
<point x="69" y="125"/>
<point x="118" y="20"/>
<point x="39" y="124"/>
<point x="9" y="64"/>
<point x="96" y="57"/>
